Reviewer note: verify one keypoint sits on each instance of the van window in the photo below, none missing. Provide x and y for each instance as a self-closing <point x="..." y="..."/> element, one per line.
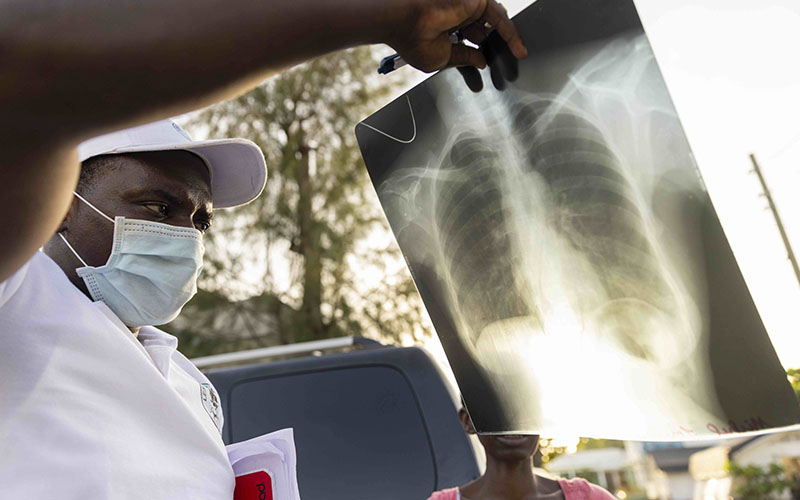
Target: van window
<point x="356" y="429"/>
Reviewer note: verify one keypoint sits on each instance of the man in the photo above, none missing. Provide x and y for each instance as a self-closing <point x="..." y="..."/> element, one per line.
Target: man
<point x="94" y="402"/>
<point x="97" y="403"/>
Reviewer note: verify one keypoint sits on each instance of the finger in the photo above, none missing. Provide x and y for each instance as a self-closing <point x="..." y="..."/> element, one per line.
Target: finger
<point x="472" y="77"/>
<point x="475" y="33"/>
<point x="491" y="48"/>
<point x="497" y="78"/>
<point x="461" y="55"/>
<point x="509" y="64"/>
<point x="497" y="17"/>
<point x="498" y="55"/>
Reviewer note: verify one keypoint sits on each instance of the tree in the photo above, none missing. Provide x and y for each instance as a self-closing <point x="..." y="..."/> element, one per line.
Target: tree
<point x="315" y="251"/>
<point x="752" y="482"/>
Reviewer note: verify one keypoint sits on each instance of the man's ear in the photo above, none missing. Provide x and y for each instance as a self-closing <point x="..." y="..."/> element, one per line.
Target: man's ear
<point x="466" y="422"/>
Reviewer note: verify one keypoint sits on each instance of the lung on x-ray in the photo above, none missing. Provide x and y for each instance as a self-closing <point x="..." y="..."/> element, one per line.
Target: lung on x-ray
<point x="565" y="247"/>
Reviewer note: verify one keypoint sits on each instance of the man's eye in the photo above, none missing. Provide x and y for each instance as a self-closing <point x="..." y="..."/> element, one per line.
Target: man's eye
<point x="157" y="208"/>
<point x="202" y="226"/>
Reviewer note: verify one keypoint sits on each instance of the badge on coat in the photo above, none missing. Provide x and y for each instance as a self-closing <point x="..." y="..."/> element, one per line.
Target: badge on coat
<point x="211" y="403"/>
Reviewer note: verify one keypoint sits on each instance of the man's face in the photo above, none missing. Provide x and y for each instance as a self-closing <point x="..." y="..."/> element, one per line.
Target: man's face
<point x="172" y="187"/>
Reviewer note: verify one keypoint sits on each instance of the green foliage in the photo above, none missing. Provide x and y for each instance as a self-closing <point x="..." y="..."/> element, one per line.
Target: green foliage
<point x="588" y="475"/>
<point x="595" y="444"/>
<point x="752" y="482"/>
<point x="316" y="240"/>
<point x="794" y="378"/>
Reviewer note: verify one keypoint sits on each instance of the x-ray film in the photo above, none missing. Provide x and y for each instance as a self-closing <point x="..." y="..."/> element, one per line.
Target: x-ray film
<point x="565" y="246"/>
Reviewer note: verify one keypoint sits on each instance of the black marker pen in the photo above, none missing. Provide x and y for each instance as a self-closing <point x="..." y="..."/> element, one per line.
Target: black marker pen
<point x="394" y="61"/>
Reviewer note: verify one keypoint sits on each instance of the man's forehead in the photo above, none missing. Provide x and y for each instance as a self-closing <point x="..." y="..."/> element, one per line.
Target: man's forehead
<point x="180" y="171"/>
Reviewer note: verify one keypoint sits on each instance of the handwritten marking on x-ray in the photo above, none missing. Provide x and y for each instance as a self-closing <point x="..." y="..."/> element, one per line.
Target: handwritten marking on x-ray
<point x="413" y="122"/>
<point x="751" y="424"/>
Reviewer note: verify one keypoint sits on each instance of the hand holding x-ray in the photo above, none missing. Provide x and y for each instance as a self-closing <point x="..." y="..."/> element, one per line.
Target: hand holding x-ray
<point x="503" y="66"/>
<point x="423" y="39"/>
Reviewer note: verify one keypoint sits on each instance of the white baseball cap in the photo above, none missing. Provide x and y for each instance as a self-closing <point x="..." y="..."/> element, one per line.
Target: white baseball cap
<point x="237" y="167"/>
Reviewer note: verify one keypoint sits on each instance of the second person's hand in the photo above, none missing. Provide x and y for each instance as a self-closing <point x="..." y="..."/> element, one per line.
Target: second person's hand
<point x="422" y="38"/>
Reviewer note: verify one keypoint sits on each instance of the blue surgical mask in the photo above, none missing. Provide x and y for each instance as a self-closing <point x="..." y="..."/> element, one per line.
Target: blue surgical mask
<point x="151" y="273"/>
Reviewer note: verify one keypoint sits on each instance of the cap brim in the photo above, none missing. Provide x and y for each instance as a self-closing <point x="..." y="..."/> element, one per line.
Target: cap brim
<point x="237" y="167"/>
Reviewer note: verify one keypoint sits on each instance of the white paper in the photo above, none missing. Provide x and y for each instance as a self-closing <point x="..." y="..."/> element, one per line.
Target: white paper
<point x="274" y="453"/>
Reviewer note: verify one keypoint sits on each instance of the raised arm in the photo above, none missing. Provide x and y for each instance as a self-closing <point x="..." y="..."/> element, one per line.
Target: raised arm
<point x="75" y="68"/>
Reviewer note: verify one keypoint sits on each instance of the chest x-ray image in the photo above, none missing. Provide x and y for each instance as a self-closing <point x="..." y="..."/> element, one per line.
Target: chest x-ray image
<point x="565" y="247"/>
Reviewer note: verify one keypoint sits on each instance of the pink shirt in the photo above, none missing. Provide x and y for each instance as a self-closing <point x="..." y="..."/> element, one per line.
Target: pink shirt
<point x="574" y="489"/>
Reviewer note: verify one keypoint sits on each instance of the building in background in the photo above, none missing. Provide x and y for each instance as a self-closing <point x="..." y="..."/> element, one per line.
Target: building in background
<point x="640" y="470"/>
<point x="711" y="468"/>
<point x="619" y="470"/>
<point x="668" y="469"/>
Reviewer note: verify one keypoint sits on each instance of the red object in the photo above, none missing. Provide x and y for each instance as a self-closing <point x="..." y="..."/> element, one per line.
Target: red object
<point x="253" y="486"/>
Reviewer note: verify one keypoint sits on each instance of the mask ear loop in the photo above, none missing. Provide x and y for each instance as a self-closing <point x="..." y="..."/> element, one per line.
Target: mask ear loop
<point x="73" y="250"/>
<point x="96" y="210"/>
<point x="92" y="207"/>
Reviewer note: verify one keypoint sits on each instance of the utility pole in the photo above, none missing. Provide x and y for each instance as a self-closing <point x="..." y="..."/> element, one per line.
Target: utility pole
<point x="774" y="209"/>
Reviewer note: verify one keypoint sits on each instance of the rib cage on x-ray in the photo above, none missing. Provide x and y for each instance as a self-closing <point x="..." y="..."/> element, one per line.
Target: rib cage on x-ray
<point x="543" y="190"/>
